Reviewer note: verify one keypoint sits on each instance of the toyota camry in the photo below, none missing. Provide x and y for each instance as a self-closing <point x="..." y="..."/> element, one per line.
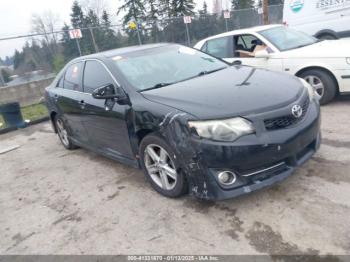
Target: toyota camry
<point x="193" y="123"/>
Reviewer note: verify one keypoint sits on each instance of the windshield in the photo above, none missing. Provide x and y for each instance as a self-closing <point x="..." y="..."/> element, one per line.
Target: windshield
<point x="285" y="38"/>
<point x="157" y="67"/>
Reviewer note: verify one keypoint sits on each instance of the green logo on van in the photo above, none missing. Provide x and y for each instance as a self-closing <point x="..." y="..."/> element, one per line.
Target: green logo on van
<point x="296" y="5"/>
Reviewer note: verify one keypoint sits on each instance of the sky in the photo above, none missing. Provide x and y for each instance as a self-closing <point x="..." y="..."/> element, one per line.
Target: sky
<point x="15" y="17"/>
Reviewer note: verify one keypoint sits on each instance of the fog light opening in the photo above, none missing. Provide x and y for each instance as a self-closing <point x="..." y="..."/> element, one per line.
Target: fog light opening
<point x="227" y="178"/>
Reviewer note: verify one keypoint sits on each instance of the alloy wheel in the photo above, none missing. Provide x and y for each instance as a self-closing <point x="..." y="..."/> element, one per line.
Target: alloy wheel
<point x="62" y="132"/>
<point x="160" y="167"/>
<point x="316" y="83"/>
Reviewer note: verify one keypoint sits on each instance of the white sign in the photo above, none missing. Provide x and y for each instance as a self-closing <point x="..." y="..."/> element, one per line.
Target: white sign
<point x="187" y="19"/>
<point x="75" y="33"/>
<point x="227" y="14"/>
<point x="260" y="10"/>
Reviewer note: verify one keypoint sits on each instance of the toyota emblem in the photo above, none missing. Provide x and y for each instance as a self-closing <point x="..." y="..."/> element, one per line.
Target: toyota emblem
<point x="297" y="111"/>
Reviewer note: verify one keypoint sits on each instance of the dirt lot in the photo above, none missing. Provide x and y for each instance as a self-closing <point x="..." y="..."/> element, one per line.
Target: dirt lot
<point x="54" y="201"/>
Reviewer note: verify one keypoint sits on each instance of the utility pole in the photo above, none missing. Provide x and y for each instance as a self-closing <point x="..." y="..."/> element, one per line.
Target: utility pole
<point x="93" y="39"/>
<point x="265" y="11"/>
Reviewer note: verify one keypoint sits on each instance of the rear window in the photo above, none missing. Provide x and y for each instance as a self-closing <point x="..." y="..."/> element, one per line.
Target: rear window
<point x="72" y="78"/>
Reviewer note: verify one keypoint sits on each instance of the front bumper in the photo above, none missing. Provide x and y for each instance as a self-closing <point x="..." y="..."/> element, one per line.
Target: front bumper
<point x="259" y="160"/>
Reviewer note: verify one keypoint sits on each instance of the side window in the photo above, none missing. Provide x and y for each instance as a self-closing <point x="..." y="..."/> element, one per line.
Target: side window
<point x="246" y="42"/>
<point x="248" y="45"/>
<point x="60" y="82"/>
<point x="72" y="78"/>
<point x="95" y="75"/>
<point x="218" y="47"/>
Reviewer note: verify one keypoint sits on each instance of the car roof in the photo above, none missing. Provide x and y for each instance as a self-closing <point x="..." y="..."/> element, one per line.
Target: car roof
<point x="122" y="51"/>
<point x="242" y="31"/>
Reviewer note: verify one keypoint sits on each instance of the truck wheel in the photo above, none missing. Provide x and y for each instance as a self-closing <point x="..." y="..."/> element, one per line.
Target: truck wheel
<point x="324" y="84"/>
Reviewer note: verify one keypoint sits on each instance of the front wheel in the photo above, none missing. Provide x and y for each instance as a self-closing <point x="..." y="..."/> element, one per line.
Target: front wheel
<point x="323" y="83"/>
<point x="161" y="167"/>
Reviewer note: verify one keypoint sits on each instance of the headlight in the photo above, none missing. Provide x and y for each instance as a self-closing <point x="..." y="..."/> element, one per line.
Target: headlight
<point x="348" y="60"/>
<point x="223" y="130"/>
<point x="312" y="91"/>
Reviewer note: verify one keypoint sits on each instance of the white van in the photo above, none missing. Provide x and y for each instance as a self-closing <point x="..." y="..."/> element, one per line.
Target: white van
<point x="324" y="19"/>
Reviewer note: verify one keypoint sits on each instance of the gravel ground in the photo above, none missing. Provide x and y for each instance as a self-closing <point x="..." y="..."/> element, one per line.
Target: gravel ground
<point x="55" y="201"/>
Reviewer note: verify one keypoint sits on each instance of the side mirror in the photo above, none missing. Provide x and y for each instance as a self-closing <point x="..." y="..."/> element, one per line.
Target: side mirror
<point x="262" y="54"/>
<point x="105" y="92"/>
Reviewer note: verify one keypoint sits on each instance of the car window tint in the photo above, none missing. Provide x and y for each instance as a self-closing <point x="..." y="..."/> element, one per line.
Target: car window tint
<point x="218" y="47"/>
<point x="95" y="75"/>
<point x="72" y="77"/>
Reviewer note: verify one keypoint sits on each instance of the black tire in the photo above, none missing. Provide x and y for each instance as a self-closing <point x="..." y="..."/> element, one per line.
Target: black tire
<point x="330" y="86"/>
<point x="327" y="37"/>
<point x="180" y="186"/>
<point x="67" y="143"/>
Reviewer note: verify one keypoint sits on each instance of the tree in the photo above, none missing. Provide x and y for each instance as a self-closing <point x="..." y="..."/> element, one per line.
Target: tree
<point x="182" y="7"/>
<point x="45" y="25"/>
<point x="79" y="20"/>
<point x="97" y="6"/>
<point x="5" y="75"/>
<point x="135" y="11"/>
<point x="77" y="16"/>
<point x="204" y="10"/>
<point x="18" y="59"/>
<point x="242" y="4"/>
<point x="108" y="38"/>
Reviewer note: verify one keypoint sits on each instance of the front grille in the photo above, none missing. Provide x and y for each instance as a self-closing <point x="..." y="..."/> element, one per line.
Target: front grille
<point x="287" y="120"/>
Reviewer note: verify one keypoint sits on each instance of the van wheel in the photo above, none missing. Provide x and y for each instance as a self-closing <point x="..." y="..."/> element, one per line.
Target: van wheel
<point x="323" y="83"/>
<point x="161" y="167"/>
<point x="63" y="134"/>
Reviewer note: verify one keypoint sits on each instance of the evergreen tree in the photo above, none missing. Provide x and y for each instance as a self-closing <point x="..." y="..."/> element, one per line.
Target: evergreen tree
<point x="242" y="4"/>
<point x="77" y="16"/>
<point x="182" y="7"/>
<point x="70" y="49"/>
<point x="204" y="10"/>
<point x="18" y="59"/>
<point x="109" y="38"/>
<point x="135" y="11"/>
<point x="5" y="75"/>
<point x="152" y="15"/>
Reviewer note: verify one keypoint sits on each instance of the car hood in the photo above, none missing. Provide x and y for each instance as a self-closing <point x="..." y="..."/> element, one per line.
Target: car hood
<point x="323" y="49"/>
<point x="235" y="91"/>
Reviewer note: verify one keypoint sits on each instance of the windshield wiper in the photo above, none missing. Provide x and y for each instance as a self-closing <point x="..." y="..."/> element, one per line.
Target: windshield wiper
<point x="202" y="73"/>
<point x="156" y="86"/>
<point x="160" y="85"/>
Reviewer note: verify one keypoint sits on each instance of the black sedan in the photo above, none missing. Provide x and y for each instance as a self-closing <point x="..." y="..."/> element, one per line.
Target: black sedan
<point x="192" y="122"/>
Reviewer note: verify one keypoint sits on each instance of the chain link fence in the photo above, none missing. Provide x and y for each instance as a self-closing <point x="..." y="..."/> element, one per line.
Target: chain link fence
<point x="27" y="73"/>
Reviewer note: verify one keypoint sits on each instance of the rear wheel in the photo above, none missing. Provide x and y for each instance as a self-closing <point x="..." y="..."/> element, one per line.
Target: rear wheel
<point x="323" y="83"/>
<point x="160" y="166"/>
<point x="63" y="133"/>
